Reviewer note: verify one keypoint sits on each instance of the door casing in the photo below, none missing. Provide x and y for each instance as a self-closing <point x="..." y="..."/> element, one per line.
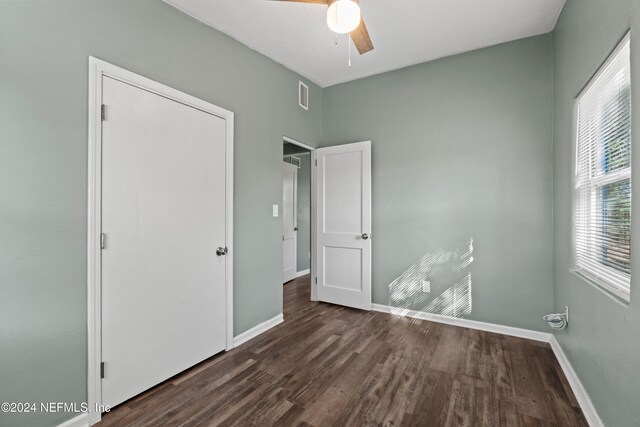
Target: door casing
<point x="294" y="215"/>
<point x="98" y="69"/>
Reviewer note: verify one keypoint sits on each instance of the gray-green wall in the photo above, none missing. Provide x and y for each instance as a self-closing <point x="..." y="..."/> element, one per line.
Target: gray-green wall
<point x="462" y="150"/>
<point x="603" y="339"/>
<point x="44" y="50"/>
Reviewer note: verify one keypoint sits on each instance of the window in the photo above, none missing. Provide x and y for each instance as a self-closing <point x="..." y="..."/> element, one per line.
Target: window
<point x="602" y="195"/>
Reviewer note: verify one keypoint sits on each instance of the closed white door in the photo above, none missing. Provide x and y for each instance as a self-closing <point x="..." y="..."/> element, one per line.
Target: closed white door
<point x="289" y="218"/>
<point x="163" y="217"/>
<point x="343" y="229"/>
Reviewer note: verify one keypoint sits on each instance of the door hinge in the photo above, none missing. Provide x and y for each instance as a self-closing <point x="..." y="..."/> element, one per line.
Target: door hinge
<point x="316" y="280"/>
<point x="103" y="112"/>
<point x="316" y="162"/>
<point x="103" y="238"/>
<point x="101" y="369"/>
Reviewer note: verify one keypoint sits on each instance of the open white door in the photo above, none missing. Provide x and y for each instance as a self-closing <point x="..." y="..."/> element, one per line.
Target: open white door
<point x="289" y="218"/>
<point x="343" y="224"/>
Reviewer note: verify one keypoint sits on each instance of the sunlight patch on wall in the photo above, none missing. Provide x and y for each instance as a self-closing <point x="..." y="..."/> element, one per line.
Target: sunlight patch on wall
<point x="439" y="283"/>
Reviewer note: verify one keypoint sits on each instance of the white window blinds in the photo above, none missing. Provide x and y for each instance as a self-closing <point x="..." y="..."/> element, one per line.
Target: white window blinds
<point x="602" y="216"/>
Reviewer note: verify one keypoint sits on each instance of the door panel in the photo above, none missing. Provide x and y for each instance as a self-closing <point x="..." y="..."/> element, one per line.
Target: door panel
<point x="343" y="268"/>
<point x="343" y="212"/>
<point x="163" y="213"/>
<point x="289" y="222"/>
<point x="342" y="193"/>
<point x="289" y="258"/>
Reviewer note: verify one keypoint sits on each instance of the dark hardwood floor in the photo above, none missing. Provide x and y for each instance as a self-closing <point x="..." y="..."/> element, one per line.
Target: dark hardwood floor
<point x="330" y="365"/>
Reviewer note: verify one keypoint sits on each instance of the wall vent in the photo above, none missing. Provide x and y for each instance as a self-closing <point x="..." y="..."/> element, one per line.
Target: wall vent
<point x="303" y="95"/>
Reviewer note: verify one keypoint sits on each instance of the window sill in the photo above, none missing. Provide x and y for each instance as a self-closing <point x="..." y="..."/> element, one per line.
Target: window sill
<point x="619" y="295"/>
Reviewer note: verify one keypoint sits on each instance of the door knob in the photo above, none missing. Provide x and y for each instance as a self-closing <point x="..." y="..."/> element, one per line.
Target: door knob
<point x="364" y="236"/>
<point x="295" y="229"/>
<point x="221" y="251"/>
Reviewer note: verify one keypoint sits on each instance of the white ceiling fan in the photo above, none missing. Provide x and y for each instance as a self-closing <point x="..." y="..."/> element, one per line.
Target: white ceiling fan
<point x="343" y="16"/>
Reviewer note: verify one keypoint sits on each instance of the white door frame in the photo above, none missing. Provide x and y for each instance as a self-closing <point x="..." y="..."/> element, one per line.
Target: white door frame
<point x="298" y="143"/>
<point x="98" y="69"/>
<point x="314" y="220"/>
<point x="295" y="217"/>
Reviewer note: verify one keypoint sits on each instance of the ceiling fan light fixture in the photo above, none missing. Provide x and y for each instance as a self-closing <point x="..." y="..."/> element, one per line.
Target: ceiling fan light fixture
<point x="343" y="16"/>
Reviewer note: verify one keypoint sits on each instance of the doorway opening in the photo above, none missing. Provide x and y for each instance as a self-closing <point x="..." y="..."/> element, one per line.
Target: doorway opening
<point x="296" y="209"/>
<point x="328" y="237"/>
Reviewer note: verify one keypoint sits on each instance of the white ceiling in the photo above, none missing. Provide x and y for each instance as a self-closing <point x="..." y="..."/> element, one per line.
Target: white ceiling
<point x="404" y="32"/>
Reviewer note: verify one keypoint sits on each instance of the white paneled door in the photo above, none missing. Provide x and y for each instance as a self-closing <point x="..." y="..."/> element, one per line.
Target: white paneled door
<point x="343" y="224"/>
<point x="163" y="218"/>
<point x="289" y="218"/>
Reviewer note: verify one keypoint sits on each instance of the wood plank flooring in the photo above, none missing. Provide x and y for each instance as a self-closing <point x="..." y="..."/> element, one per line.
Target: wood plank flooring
<point x="330" y="365"/>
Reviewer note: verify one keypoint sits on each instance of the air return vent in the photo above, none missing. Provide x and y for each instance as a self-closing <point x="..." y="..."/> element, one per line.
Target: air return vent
<point x="303" y="95"/>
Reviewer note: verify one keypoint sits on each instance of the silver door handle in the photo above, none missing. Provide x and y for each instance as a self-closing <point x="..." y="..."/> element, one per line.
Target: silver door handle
<point x="365" y="236"/>
<point x="221" y="251"/>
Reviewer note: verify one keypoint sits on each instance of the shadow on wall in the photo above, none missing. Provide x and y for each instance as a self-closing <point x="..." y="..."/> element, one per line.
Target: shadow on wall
<point x="439" y="283"/>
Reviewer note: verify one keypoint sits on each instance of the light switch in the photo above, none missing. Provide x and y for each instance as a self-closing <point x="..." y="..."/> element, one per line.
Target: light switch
<point x="275" y="211"/>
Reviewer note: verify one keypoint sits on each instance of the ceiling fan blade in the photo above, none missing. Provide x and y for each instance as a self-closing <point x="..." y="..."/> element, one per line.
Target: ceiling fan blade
<point x="307" y="1"/>
<point x="361" y="39"/>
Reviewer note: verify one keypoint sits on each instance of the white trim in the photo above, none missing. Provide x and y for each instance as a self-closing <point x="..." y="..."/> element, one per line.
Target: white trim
<point x="291" y="169"/>
<point x="229" y="224"/>
<point x="94" y="273"/>
<point x="586" y="275"/>
<point x="306" y="89"/>
<point x="578" y="388"/>
<point x="579" y="391"/>
<point x="257" y="330"/>
<point x="98" y="69"/>
<point x="298" y="143"/>
<point x="303" y="272"/>
<point x="465" y="323"/>
<point x="81" y="420"/>
<point x="314" y="228"/>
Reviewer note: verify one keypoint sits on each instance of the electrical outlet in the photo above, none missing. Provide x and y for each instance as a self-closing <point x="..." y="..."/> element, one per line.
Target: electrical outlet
<point x="275" y="211"/>
<point x="426" y="286"/>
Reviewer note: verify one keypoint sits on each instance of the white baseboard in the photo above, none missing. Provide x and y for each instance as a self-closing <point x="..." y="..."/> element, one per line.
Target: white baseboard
<point x="257" y="330"/>
<point x="466" y="323"/>
<point x="81" y="420"/>
<point x="303" y="272"/>
<point x="580" y="392"/>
